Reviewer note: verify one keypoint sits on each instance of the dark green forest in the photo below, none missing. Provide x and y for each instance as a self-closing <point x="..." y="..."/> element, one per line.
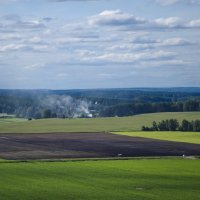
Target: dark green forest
<point x="97" y="103"/>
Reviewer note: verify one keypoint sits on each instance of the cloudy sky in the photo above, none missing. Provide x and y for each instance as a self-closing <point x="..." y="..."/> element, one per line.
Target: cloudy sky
<point x="67" y="44"/>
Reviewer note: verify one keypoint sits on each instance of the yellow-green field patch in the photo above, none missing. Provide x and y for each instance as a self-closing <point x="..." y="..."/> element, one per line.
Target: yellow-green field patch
<point x="189" y="137"/>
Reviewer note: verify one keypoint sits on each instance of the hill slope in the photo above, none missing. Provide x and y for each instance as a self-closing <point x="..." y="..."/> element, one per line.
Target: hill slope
<point x="133" y="123"/>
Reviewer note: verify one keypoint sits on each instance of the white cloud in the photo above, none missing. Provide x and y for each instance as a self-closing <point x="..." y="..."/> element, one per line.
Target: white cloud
<point x="159" y="63"/>
<point x="13" y="23"/>
<point x="194" y="24"/>
<point x="115" y="18"/>
<point x="170" y="22"/>
<point x="10" y="36"/>
<point x="61" y="75"/>
<point x="34" y="66"/>
<point x="131" y="57"/>
<point x="151" y="44"/>
<point x="24" y="47"/>
<point x="175" y="42"/>
<point x="96" y="47"/>
<point x="172" y="2"/>
<point x="34" y="24"/>
<point x="167" y="2"/>
<point x="11" y="47"/>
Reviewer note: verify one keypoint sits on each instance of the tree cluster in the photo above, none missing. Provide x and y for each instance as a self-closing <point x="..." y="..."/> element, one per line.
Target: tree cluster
<point x="174" y="125"/>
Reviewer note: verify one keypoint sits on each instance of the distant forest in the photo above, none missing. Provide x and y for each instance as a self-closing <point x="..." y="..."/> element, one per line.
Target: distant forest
<point x="97" y="103"/>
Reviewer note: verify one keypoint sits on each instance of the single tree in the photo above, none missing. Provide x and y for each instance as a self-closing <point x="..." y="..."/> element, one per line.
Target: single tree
<point x="47" y="113"/>
<point x="173" y="124"/>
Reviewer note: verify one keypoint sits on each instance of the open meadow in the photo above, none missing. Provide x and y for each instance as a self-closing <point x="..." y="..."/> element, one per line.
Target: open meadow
<point x="143" y="179"/>
<point x="89" y="176"/>
<point x="133" y="123"/>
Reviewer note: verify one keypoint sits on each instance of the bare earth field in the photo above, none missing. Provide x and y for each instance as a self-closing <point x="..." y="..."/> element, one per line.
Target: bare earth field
<point x="87" y="145"/>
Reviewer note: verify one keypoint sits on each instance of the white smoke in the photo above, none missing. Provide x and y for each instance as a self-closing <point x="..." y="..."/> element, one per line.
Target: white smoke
<point x="66" y="105"/>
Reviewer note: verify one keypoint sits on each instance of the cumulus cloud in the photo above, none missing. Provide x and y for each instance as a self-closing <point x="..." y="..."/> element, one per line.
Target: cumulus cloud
<point x="17" y="34"/>
<point x="111" y="41"/>
<point x="175" y="22"/>
<point x="115" y="18"/>
<point x="171" y="22"/>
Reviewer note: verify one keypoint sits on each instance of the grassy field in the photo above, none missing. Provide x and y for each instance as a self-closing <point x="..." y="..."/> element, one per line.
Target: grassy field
<point x="6" y="115"/>
<point x="139" y="179"/>
<point x="147" y="179"/>
<point x="9" y="120"/>
<point x="189" y="137"/>
<point x="133" y="123"/>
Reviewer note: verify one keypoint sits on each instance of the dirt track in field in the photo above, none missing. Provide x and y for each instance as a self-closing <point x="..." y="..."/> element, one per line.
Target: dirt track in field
<point x="87" y="145"/>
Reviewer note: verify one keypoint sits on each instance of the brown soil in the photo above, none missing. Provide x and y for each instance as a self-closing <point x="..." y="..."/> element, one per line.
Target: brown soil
<point x="87" y="145"/>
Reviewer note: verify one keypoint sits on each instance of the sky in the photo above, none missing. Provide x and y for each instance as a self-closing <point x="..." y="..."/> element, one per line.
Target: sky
<point x="83" y="44"/>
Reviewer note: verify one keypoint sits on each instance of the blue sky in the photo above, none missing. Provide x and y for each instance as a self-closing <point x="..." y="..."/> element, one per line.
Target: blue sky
<point x="63" y="44"/>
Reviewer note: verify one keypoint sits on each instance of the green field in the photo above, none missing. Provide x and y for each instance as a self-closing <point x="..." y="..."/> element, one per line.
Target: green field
<point x="6" y="115"/>
<point x="139" y="179"/>
<point x="133" y="123"/>
<point x="8" y="120"/>
<point x="147" y="179"/>
<point x="190" y="137"/>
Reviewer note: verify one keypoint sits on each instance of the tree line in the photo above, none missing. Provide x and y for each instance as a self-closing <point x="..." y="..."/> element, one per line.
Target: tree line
<point x="108" y="104"/>
<point x="140" y="108"/>
<point x="174" y="125"/>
